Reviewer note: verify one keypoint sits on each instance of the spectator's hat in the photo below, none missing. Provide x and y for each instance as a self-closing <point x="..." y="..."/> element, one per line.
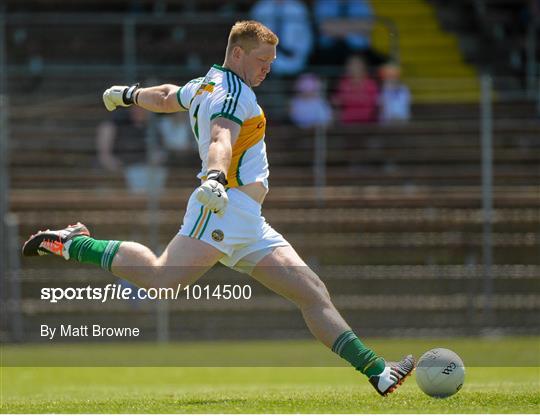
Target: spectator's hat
<point x="308" y="84"/>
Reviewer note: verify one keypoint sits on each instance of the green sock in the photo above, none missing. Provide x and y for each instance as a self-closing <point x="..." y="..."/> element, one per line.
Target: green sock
<point x="350" y="348"/>
<point x="99" y="252"/>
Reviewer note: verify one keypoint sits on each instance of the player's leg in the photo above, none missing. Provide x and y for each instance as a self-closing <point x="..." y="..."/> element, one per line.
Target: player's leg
<point x="284" y="272"/>
<point x="183" y="261"/>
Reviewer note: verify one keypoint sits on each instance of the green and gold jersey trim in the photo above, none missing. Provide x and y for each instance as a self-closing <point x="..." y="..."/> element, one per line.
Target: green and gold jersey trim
<point x="251" y="133"/>
<point x="227" y="116"/>
<point x="202" y="222"/>
<point x="193" y="81"/>
<point x="179" y="100"/>
<point x="223" y="69"/>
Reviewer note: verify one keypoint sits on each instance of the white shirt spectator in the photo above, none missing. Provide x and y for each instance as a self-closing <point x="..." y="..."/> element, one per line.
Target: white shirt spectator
<point x="289" y="20"/>
<point x="310" y="112"/>
<point x="395" y="103"/>
<point x="176" y="132"/>
<point x="308" y="107"/>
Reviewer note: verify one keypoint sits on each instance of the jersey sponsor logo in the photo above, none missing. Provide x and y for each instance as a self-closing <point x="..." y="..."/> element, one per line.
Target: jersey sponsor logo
<point x="217" y="235"/>
<point x="209" y="88"/>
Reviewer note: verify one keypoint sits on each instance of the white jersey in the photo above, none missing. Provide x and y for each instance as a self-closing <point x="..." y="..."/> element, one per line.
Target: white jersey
<point x="221" y="93"/>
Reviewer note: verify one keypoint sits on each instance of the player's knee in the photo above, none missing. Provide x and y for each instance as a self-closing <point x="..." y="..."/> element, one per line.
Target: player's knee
<point x="158" y="276"/>
<point x="169" y="277"/>
<point x="314" y="293"/>
<point x="322" y="296"/>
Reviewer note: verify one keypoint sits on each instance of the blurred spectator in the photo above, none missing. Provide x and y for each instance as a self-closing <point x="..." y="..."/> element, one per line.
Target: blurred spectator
<point x="395" y="98"/>
<point x="530" y="12"/>
<point x="176" y="132"/>
<point x="357" y="94"/>
<point x="136" y="7"/>
<point x="178" y="140"/>
<point x="27" y="50"/>
<point x="122" y="145"/>
<point x="535" y="10"/>
<point x="289" y="20"/>
<point x="308" y="107"/>
<point x="344" y="28"/>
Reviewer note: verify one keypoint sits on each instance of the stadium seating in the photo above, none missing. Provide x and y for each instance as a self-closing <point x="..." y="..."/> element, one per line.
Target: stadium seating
<point x="400" y="212"/>
<point x="493" y="35"/>
<point x="433" y="65"/>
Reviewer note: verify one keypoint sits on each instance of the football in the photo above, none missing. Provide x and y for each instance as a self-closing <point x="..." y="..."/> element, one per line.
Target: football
<point x="440" y="373"/>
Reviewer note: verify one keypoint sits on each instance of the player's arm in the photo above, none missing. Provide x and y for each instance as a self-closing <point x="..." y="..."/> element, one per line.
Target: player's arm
<point x="212" y="193"/>
<point x="224" y="133"/>
<point x="159" y="99"/>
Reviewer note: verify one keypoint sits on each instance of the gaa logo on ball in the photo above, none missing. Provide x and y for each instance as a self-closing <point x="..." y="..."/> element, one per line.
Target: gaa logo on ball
<point x="440" y="373"/>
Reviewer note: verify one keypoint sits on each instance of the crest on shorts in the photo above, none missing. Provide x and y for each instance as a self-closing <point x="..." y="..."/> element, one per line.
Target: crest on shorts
<point x="217" y="235"/>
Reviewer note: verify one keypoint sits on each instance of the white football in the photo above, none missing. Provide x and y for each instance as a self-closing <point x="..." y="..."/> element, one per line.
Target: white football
<point x="440" y="373"/>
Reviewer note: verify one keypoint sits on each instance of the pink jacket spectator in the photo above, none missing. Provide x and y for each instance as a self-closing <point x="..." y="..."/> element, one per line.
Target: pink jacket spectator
<point x="357" y="100"/>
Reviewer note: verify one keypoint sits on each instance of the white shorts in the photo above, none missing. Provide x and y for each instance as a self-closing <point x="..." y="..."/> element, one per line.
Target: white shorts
<point x="242" y="234"/>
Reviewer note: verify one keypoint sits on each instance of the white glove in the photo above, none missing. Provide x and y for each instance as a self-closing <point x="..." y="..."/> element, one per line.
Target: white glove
<point x="119" y="95"/>
<point x="213" y="196"/>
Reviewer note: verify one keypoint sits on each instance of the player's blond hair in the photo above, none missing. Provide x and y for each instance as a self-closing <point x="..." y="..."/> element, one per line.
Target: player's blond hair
<point x="248" y="34"/>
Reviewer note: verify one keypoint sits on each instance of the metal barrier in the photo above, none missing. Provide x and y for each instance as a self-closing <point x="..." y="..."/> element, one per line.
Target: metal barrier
<point x="12" y="303"/>
<point x="532" y="67"/>
<point x="4" y="180"/>
<point x="486" y="133"/>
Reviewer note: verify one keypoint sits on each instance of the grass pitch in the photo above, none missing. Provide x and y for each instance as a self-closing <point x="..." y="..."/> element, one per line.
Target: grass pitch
<point x="261" y="389"/>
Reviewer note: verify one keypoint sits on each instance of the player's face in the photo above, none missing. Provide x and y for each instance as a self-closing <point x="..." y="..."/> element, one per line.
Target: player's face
<point x="257" y="63"/>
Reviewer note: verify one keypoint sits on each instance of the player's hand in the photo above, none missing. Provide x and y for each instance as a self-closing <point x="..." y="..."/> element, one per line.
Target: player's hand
<point x="212" y="192"/>
<point x="213" y="196"/>
<point x="119" y="95"/>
